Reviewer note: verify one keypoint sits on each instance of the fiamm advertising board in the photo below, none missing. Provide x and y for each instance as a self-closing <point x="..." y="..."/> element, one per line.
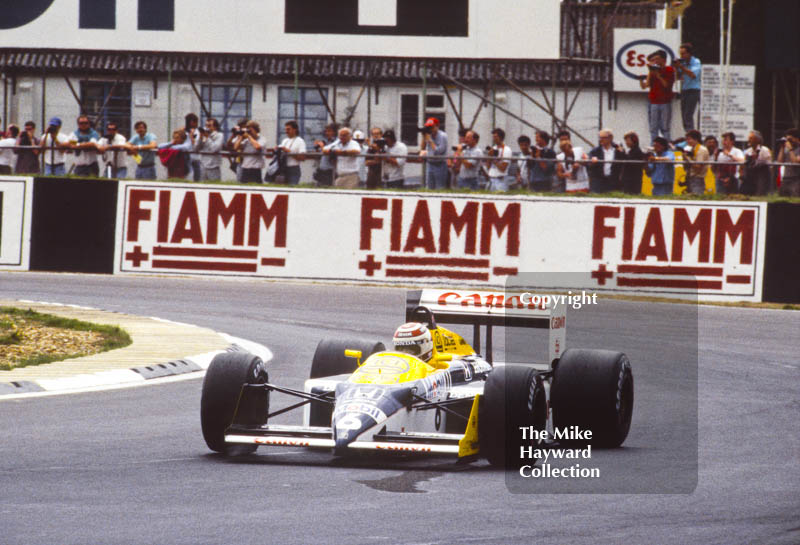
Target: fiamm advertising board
<point x="662" y="247"/>
<point x="16" y="197"/>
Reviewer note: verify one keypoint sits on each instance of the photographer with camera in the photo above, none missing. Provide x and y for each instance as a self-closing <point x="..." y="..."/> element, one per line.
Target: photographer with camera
<point x="27" y="159"/>
<point x="111" y="146"/>
<point x="468" y="162"/>
<point x="689" y="69"/>
<point x="661" y="167"/>
<point x="83" y="143"/>
<point x="53" y="145"/>
<point x="210" y="142"/>
<point x="572" y="165"/>
<point x="6" y="152"/>
<point x="541" y="176"/>
<point x="790" y="153"/>
<point x="693" y="153"/>
<point x="373" y="162"/>
<point x="234" y="158"/>
<point x="346" y="151"/>
<point x="295" y="145"/>
<point x="434" y="145"/>
<point x="603" y="174"/>
<point x="251" y="144"/>
<point x="659" y="79"/>
<point x="730" y="159"/>
<point x="756" y="178"/>
<point x="498" y="165"/>
<point x="323" y="175"/>
<point x="393" y="159"/>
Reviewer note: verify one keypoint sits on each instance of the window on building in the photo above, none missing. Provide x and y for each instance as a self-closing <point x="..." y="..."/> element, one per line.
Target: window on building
<point x="309" y="112"/>
<point x="226" y="103"/>
<point x="105" y="101"/>
<point x="410" y="119"/>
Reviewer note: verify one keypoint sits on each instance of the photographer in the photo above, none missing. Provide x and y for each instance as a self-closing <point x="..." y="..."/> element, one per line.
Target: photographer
<point x="659" y="79"/>
<point x="295" y="145"/>
<point x="690" y="70"/>
<point x="210" y="142"/>
<point x="27" y="159"/>
<point x="631" y="173"/>
<point x="251" y="144"/>
<point x="393" y="175"/>
<point x="498" y="168"/>
<point x="434" y="144"/>
<point x="193" y="137"/>
<point x="790" y="153"/>
<point x="661" y="167"/>
<point x="541" y="174"/>
<point x="346" y="151"/>
<point x="235" y="158"/>
<point x="324" y="173"/>
<point x="756" y="177"/>
<point x="522" y="174"/>
<point x="83" y="143"/>
<point x="572" y="165"/>
<point x="469" y="168"/>
<point x="54" y="144"/>
<point x="695" y="153"/>
<point x="142" y="147"/>
<point x="604" y="175"/>
<point x="111" y="146"/>
<point x="6" y="151"/>
<point x="373" y="162"/>
<point x="730" y="159"/>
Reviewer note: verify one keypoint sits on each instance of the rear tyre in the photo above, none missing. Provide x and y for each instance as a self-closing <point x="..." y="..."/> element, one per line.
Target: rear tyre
<point x="513" y="397"/>
<point x="329" y="360"/>
<point x="222" y="387"/>
<point x="593" y="390"/>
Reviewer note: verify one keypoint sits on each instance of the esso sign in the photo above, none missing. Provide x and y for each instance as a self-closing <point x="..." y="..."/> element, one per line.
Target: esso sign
<point x="630" y="57"/>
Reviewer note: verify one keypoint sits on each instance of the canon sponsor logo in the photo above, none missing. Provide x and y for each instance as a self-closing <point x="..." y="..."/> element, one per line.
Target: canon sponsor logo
<point x="489" y="300"/>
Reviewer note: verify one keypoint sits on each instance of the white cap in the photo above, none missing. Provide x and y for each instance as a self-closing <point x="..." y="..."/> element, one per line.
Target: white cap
<point x="358" y="135"/>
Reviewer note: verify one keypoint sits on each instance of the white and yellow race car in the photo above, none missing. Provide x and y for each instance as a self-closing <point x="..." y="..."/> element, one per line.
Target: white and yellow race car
<point x="453" y="401"/>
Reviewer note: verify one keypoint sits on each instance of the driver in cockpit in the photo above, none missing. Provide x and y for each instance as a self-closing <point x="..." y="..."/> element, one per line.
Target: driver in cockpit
<point x="415" y="339"/>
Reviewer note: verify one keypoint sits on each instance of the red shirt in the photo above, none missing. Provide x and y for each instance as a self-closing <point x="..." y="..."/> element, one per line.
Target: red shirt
<point x="660" y="94"/>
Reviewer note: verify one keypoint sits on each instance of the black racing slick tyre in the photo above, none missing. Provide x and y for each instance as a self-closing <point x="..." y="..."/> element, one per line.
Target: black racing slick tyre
<point x="513" y="398"/>
<point x="593" y="390"/>
<point x="222" y="388"/>
<point x="329" y="360"/>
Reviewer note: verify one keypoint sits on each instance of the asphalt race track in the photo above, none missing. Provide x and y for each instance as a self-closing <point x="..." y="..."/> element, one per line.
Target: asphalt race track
<point x="130" y="466"/>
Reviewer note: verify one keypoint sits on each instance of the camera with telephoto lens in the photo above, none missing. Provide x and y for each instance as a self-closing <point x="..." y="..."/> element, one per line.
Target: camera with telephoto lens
<point x="380" y="145"/>
<point x="424" y="130"/>
<point x="653" y="67"/>
<point x="237" y="130"/>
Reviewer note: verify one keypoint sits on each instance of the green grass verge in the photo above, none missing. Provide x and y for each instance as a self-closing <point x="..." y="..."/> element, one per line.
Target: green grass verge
<point x="113" y="336"/>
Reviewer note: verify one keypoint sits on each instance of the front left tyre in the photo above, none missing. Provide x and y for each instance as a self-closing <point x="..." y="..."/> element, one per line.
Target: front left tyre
<point x="222" y="393"/>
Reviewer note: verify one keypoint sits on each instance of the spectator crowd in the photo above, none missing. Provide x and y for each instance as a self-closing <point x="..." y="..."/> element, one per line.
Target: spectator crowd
<point x="349" y="159"/>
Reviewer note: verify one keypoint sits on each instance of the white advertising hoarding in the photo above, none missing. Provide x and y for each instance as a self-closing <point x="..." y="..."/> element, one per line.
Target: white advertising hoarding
<point x="16" y="195"/>
<point x="396" y="28"/>
<point x="671" y="248"/>
<point x="740" y="105"/>
<point x="631" y="48"/>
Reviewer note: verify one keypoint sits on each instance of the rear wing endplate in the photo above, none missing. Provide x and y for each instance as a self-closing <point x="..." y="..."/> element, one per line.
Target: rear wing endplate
<point x="485" y="308"/>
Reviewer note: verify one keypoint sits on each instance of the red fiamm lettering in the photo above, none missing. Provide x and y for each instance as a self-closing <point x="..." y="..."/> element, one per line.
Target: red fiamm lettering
<point x="396" y="236"/>
<point x="260" y="212"/>
<point x="369" y="221"/>
<point x="601" y="231"/>
<point x="135" y="211"/>
<point x="188" y="223"/>
<point x="653" y="242"/>
<point x="162" y="233"/>
<point x="420" y="234"/>
<point x="217" y="210"/>
<point x="682" y="227"/>
<point x="744" y="228"/>
<point x="509" y="221"/>
<point x="468" y="219"/>
<point x="627" y="233"/>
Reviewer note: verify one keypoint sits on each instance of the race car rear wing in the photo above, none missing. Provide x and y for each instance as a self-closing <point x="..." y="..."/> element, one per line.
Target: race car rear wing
<point x="484" y="308"/>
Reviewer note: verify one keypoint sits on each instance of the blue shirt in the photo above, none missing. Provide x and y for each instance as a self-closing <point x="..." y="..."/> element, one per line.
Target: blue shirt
<point x="148" y="156"/>
<point x="662" y="173"/>
<point x="688" y="82"/>
<point x="439" y="146"/>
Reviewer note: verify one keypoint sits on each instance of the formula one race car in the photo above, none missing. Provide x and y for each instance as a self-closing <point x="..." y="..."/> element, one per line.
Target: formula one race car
<point x="440" y="399"/>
